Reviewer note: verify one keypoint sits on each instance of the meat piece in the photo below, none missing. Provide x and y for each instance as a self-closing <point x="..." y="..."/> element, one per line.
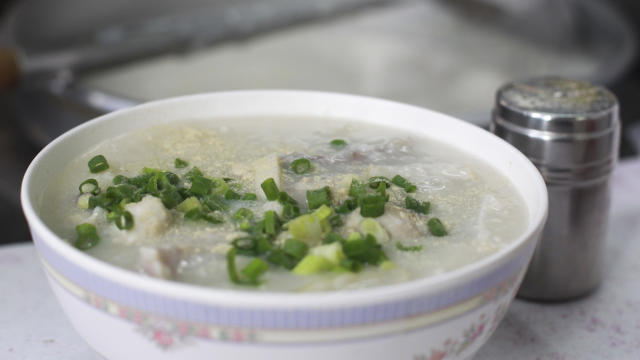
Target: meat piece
<point x="150" y="219"/>
<point x="400" y="223"/>
<point x="160" y="262"/>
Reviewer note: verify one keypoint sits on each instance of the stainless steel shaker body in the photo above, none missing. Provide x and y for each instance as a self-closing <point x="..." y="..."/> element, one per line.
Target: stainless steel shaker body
<point x="570" y="131"/>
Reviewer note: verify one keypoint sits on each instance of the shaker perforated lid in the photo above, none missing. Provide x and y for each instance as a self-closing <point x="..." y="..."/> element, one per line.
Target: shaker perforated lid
<point x="558" y="105"/>
<point x="562" y="125"/>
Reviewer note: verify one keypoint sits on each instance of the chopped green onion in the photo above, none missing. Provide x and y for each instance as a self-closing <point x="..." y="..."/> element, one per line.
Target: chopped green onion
<point x="198" y="214"/>
<point x="215" y="202"/>
<point x="290" y="211"/>
<point x="270" y="189"/>
<point x="87" y="236"/>
<point x="436" y="227"/>
<point x="382" y="190"/>
<point x="371" y="226"/>
<point x="284" y="199"/>
<point x="335" y="220"/>
<point x="249" y="197"/>
<point x="301" y="166"/>
<point x="116" y="194"/>
<point x="313" y="264"/>
<point x="316" y="198"/>
<point x="366" y="251"/>
<point x="124" y="221"/>
<point x="351" y="265"/>
<point x="271" y="222"/>
<point x="189" y="204"/>
<point x="404" y="183"/>
<point x="263" y="245"/>
<point x="172" y="178"/>
<point x="98" y="164"/>
<point x="333" y="237"/>
<point x="219" y="186"/>
<point x="357" y="189"/>
<point x="200" y="185"/>
<point x="254" y="269"/>
<point x="231" y="266"/>
<point x="377" y="180"/>
<point x="347" y="206"/>
<point x="295" y="248"/>
<point x="89" y="186"/>
<point x="119" y="179"/>
<point x="195" y="171"/>
<point x="402" y="247"/>
<point x="243" y="214"/>
<point x="245" y="245"/>
<point x="421" y="207"/>
<point x="280" y="258"/>
<point x="338" y="143"/>
<point x="372" y="205"/>
<point x="179" y="163"/>
<point x="232" y="195"/>
<point x="170" y="197"/>
<point x="232" y="271"/>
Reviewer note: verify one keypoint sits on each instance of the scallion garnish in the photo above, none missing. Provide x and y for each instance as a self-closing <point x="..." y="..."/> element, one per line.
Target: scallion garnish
<point x="219" y="186"/>
<point x="87" y="236"/>
<point x="179" y="163"/>
<point x="290" y="211"/>
<point x="317" y="198"/>
<point x="170" y="197"/>
<point x="301" y="166"/>
<point x="249" y="197"/>
<point x="200" y="185"/>
<point x="404" y="183"/>
<point x="421" y="207"/>
<point x="296" y="248"/>
<point x="89" y="186"/>
<point x="254" y="269"/>
<point x="436" y="227"/>
<point x="232" y="195"/>
<point x="124" y="220"/>
<point x="98" y="164"/>
<point x="243" y="214"/>
<point x="357" y="189"/>
<point x="193" y="172"/>
<point x="119" y="179"/>
<point x="332" y="237"/>
<point x="351" y="265"/>
<point x="366" y="251"/>
<point x="338" y="143"/>
<point x="172" y="178"/>
<point x="377" y="180"/>
<point x="198" y="214"/>
<point x="280" y="258"/>
<point x="214" y="203"/>
<point x="402" y="247"/>
<point x="271" y="222"/>
<point x="347" y="206"/>
<point x="372" y="205"/>
<point x="270" y="189"/>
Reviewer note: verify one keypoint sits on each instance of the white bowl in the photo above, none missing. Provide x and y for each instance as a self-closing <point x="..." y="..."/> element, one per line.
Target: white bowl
<point x="124" y="315"/>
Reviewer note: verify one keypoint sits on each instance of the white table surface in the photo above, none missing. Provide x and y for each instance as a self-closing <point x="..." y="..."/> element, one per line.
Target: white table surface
<point x="604" y="325"/>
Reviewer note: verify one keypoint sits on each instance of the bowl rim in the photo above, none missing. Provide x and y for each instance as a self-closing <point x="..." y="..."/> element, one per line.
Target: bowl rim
<point x="273" y="299"/>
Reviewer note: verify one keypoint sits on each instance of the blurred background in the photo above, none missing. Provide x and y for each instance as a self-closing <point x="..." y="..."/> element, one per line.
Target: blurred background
<point x="63" y="62"/>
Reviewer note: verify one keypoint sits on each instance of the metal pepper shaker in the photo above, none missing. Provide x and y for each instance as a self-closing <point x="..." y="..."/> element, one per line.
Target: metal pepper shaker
<point x="570" y="130"/>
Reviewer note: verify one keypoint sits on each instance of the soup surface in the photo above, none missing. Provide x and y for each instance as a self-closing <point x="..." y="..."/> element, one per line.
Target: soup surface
<point x="283" y="204"/>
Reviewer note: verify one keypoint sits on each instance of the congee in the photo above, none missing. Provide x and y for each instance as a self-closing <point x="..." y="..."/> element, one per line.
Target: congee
<point x="282" y="204"/>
